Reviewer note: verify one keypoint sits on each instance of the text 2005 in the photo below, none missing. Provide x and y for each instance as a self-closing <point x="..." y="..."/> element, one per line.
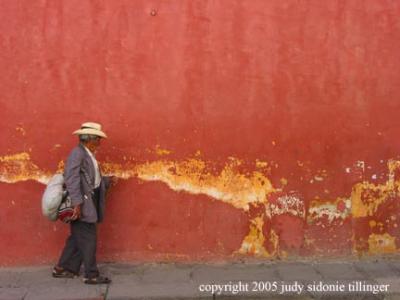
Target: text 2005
<point x="264" y="286"/>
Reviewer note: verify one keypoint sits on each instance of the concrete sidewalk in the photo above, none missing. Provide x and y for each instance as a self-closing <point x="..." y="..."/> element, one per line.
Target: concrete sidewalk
<point x="300" y="280"/>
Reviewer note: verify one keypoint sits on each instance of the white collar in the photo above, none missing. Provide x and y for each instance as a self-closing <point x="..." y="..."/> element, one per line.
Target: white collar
<point x="88" y="151"/>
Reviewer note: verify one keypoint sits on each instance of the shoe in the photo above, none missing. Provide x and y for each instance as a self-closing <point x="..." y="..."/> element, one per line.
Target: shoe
<point x="62" y="273"/>
<point x="97" y="280"/>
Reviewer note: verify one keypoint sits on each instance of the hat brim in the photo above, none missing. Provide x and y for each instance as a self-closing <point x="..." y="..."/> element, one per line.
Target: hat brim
<point x="91" y="132"/>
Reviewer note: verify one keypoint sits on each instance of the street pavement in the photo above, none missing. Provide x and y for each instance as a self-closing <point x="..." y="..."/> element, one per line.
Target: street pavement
<point x="301" y="280"/>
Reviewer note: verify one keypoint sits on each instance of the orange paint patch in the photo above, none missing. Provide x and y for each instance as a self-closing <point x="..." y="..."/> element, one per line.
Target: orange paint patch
<point x="382" y="244"/>
<point x="159" y="151"/>
<point x="18" y="167"/>
<point x="253" y="243"/>
<point x="192" y="176"/>
<point x="367" y="197"/>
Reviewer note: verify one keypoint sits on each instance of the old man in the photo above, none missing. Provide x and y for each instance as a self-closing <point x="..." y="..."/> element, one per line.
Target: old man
<point x="87" y="190"/>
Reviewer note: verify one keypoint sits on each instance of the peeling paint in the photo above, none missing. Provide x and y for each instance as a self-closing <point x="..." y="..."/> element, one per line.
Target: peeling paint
<point x="192" y="176"/>
<point x="253" y="243"/>
<point x="321" y="175"/>
<point x="286" y="204"/>
<point x="339" y="208"/>
<point x="283" y="181"/>
<point x="21" y="130"/>
<point x="159" y="151"/>
<point x="126" y="171"/>
<point x="261" y="164"/>
<point x="18" y="167"/>
<point x="367" y="197"/>
<point x="360" y="164"/>
<point x="393" y="166"/>
<point x="55" y="147"/>
<point x="382" y="244"/>
<point x="238" y="189"/>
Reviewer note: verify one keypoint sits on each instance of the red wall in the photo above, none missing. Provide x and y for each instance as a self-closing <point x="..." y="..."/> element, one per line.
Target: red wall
<point x="242" y="128"/>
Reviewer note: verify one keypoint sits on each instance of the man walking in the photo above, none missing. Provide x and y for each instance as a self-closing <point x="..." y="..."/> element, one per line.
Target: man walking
<point x="87" y="190"/>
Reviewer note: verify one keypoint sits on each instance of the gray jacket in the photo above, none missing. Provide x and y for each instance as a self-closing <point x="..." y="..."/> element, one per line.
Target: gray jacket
<point x="79" y="176"/>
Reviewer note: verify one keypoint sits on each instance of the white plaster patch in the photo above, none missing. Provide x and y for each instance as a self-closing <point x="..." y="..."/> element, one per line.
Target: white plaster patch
<point x="330" y="210"/>
<point x="287" y="204"/>
<point x="361" y="164"/>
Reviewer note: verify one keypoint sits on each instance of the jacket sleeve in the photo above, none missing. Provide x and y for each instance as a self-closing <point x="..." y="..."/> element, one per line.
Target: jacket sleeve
<point x="73" y="177"/>
<point x="106" y="180"/>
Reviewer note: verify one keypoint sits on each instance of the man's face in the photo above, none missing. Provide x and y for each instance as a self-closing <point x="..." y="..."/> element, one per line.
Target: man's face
<point x="93" y="144"/>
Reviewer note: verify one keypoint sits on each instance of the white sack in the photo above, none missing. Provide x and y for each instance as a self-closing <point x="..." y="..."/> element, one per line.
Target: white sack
<point x="52" y="197"/>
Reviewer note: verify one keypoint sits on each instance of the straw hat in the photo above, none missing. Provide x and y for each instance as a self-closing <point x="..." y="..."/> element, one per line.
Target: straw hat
<point x="90" y="128"/>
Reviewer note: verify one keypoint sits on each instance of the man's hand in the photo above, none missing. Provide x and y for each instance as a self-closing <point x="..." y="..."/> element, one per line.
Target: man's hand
<point x="77" y="213"/>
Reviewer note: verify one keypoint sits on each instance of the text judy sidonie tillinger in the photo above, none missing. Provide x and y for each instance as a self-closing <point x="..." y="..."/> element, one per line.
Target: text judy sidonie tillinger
<point x="295" y="287"/>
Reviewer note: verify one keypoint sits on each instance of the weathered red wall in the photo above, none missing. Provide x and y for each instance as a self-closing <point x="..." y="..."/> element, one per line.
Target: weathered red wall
<point x="242" y="128"/>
